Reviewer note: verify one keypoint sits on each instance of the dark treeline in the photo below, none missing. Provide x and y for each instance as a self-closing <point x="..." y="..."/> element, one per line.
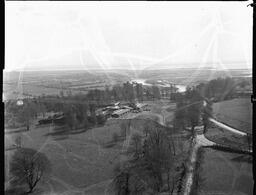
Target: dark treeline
<point x="79" y="109"/>
<point x="101" y="97"/>
<point x="75" y="115"/>
<point x="190" y="110"/>
<point x="153" y="164"/>
<point x="222" y="88"/>
<point x="126" y="92"/>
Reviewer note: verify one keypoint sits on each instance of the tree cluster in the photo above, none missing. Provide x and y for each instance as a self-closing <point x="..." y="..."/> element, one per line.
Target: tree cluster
<point x="219" y="89"/>
<point x="189" y="109"/>
<point x="152" y="167"/>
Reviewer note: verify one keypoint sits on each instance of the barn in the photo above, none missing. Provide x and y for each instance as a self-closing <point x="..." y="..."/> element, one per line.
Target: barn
<point x="120" y="112"/>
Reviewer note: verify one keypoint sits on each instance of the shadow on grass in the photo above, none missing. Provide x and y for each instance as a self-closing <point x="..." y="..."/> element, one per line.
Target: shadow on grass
<point x="16" y="191"/>
<point x="112" y="143"/>
<point x="9" y="149"/>
<point x="109" y="144"/>
<point x="243" y="158"/>
<point x="15" y="131"/>
<point x="228" y="149"/>
<point x="59" y="138"/>
<point x="64" y="132"/>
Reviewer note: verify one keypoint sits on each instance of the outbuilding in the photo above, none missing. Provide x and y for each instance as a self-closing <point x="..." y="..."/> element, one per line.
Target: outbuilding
<point x="121" y="112"/>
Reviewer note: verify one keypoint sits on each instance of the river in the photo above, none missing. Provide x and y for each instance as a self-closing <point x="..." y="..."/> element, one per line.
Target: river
<point x="181" y="88"/>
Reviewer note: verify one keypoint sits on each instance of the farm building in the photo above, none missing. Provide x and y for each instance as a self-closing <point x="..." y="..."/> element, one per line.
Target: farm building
<point x="120" y="112"/>
<point x="141" y="105"/>
<point x="126" y="107"/>
<point x="52" y="117"/>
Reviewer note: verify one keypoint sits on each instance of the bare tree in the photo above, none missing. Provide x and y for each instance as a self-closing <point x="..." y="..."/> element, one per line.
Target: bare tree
<point x="121" y="180"/>
<point x="29" y="166"/>
<point x="125" y="127"/>
<point x="206" y="114"/>
<point x="27" y="113"/>
<point x="136" y="144"/>
<point x="147" y="128"/>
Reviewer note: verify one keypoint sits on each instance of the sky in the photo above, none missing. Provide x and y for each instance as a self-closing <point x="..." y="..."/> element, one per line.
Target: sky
<point x="57" y="35"/>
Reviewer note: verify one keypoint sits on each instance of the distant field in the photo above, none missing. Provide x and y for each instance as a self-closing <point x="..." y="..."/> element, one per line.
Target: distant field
<point x="225" y="173"/>
<point x="236" y="113"/>
<point x="52" y="82"/>
<point x="12" y="91"/>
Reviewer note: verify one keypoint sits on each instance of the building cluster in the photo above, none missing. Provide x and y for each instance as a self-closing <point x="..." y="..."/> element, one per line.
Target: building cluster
<point x="52" y="117"/>
<point x="118" y="109"/>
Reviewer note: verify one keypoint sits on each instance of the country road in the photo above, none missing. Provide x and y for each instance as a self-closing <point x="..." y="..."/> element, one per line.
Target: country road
<point x="197" y="142"/>
<point x="226" y="127"/>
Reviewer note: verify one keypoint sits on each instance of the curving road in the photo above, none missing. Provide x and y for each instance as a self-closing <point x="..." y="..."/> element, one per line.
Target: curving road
<point x="197" y="142"/>
<point x="226" y="127"/>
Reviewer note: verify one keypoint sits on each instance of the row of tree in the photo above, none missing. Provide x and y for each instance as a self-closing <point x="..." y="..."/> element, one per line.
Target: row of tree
<point x="154" y="165"/>
<point x="221" y="88"/>
<point x="79" y="108"/>
<point x="193" y="109"/>
<point x="82" y="116"/>
<point x="126" y="92"/>
<point x="194" y="106"/>
<point x="76" y="114"/>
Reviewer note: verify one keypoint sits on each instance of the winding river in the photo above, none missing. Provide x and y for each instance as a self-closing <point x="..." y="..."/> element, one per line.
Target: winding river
<point x="181" y="88"/>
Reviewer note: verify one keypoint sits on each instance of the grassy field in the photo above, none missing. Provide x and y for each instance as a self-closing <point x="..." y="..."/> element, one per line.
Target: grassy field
<point x="52" y="82"/>
<point x="12" y="91"/>
<point x="165" y="108"/>
<point x="236" y="113"/>
<point x="225" y="173"/>
<point x="82" y="161"/>
<point x="78" y="160"/>
<point x="227" y="138"/>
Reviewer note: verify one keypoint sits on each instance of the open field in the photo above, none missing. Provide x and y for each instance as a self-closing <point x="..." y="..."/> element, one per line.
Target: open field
<point x="236" y="113"/>
<point x="227" y="138"/>
<point x="36" y="83"/>
<point x="82" y="161"/>
<point x="191" y="76"/>
<point x="51" y="82"/>
<point x="12" y="91"/>
<point x="160" y="111"/>
<point x="79" y="159"/>
<point x="225" y="173"/>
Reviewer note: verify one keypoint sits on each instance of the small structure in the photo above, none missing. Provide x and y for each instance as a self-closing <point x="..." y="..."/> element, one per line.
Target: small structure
<point x="140" y="105"/>
<point x="121" y="112"/>
<point x="52" y="117"/>
<point x="117" y="104"/>
<point x="60" y="120"/>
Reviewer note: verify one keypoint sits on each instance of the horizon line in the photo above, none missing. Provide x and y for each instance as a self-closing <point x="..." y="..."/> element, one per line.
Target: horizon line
<point x="125" y="69"/>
